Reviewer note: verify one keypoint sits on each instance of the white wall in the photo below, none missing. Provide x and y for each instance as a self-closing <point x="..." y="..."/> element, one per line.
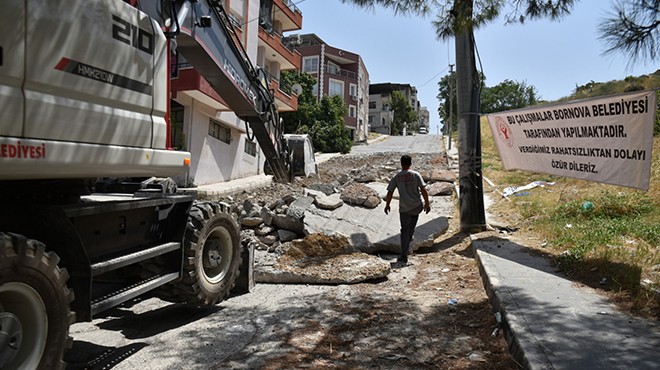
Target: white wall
<point x="212" y="160"/>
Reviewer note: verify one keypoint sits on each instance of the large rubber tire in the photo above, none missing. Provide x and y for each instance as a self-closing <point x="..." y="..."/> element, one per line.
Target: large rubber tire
<point x="35" y="304"/>
<point x="212" y="248"/>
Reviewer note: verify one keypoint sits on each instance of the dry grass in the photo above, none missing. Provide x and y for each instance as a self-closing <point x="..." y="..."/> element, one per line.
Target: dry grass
<point x="612" y="246"/>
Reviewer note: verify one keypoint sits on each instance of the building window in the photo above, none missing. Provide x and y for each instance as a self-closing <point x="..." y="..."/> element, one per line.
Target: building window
<point x="311" y="64"/>
<point x="237" y="9"/>
<point x="352" y="90"/>
<point x="219" y="131"/>
<point x="386" y="107"/>
<point x="336" y="87"/>
<point x="372" y="105"/>
<point x="176" y="123"/>
<point x="371" y="120"/>
<point x="333" y="68"/>
<point x="351" y="111"/>
<point x="250" y="147"/>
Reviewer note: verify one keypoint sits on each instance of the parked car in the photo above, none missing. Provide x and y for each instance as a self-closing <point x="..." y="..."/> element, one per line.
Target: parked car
<point x="423" y="130"/>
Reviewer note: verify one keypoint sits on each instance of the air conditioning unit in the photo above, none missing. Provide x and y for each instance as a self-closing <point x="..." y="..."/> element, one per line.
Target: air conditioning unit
<point x="354" y="97"/>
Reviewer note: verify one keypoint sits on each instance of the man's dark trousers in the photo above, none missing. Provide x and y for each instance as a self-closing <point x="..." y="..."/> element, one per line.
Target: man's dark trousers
<point x="408" y="224"/>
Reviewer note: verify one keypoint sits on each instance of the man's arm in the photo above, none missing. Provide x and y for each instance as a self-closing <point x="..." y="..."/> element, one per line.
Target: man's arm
<point x="425" y="195"/>
<point x="388" y="199"/>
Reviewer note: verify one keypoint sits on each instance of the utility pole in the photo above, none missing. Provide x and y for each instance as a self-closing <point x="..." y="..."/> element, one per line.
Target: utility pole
<point x="471" y="200"/>
<point x="451" y="102"/>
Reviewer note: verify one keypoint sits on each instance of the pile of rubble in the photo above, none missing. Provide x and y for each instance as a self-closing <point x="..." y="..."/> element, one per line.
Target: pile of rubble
<point x="275" y="225"/>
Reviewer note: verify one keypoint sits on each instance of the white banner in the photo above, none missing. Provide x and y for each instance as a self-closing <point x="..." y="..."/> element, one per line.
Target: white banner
<point x="606" y="139"/>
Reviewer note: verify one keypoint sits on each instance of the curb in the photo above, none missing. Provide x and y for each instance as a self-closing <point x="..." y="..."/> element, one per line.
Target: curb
<point x="524" y="348"/>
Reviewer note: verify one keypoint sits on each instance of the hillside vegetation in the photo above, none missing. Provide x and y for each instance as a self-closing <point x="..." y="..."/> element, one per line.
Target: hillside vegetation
<point x="602" y="235"/>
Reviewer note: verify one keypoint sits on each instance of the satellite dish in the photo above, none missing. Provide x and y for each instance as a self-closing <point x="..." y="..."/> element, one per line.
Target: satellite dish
<point x="296" y="89"/>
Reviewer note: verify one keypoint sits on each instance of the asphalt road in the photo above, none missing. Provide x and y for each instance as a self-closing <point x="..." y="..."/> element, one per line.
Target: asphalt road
<point x="408" y="144"/>
<point x="242" y="332"/>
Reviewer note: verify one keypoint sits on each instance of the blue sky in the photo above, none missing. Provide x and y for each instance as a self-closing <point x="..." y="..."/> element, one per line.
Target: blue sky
<point x="554" y="57"/>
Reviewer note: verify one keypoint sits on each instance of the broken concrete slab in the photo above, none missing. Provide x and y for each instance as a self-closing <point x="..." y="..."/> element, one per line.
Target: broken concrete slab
<point x="251" y="221"/>
<point x="357" y="194"/>
<point x="441" y="188"/>
<point x="329" y="202"/>
<point x="371" y="230"/>
<point x="342" y="269"/>
<point x="439" y="175"/>
<point x="286" y="235"/>
<point x="287" y="222"/>
<point x="320" y="259"/>
<point x="298" y="207"/>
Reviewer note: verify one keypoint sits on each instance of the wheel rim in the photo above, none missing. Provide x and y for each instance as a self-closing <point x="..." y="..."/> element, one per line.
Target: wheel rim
<point x="26" y="305"/>
<point x="217" y="255"/>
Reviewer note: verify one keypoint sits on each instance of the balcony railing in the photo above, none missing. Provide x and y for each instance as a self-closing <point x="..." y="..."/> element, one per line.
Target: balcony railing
<point x="271" y="77"/>
<point x="340" y="72"/>
<point x="286" y="42"/>
<point x="291" y="6"/>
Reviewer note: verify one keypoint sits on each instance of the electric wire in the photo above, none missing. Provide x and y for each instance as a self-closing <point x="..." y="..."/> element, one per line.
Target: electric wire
<point x="430" y="79"/>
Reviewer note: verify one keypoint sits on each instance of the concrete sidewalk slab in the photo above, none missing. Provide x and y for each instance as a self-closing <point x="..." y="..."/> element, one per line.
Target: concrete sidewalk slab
<point x="232" y="186"/>
<point x="551" y="322"/>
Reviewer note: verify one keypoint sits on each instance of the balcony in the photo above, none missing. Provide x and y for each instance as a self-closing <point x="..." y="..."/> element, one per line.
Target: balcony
<point x="340" y="72"/>
<point x="276" y="50"/>
<point x="191" y="83"/>
<point x="288" y="14"/>
<point x="285" y="102"/>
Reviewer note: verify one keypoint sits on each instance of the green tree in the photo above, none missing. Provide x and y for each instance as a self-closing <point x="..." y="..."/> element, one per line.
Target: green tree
<point x="329" y="134"/>
<point x="508" y="95"/>
<point x="633" y="28"/>
<point x="301" y="120"/>
<point x="403" y="114"/>
<point x="447" y="101"/>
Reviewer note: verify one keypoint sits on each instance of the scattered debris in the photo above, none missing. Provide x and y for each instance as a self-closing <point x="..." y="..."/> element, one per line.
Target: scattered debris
<point x="587" y="206"/>
<point x="498" y="324"/>
<point x="393" y="357"/>
<point x="514" y="189"/>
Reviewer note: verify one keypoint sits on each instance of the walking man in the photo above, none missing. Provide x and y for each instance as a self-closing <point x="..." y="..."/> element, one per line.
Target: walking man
<point x="410" y="184"/>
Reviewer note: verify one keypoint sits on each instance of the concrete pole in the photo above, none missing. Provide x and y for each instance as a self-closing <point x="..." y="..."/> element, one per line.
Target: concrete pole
<point x="471" y="198"/>
<point x="451" y="103"/>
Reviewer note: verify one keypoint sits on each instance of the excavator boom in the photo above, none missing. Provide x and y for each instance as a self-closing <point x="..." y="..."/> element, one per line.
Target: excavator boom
<point x="204" y="36"/>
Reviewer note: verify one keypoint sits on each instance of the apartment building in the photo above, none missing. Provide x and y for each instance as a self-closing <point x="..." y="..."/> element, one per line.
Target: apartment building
<point x="220" y="146"/>
<point x="380" y="104"/>
<point x="337" y="72"/>
<point x="424" y="118"/>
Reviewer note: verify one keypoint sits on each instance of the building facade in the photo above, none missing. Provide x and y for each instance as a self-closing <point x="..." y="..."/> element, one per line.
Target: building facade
<point x="220" y="146"/>
<point x="337" y="72"/>
<point x="425" y="118"/>
<point x="380" y="105"/>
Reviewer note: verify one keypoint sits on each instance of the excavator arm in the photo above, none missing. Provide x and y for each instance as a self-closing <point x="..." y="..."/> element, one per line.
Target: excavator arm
<point x="201" y="31"/>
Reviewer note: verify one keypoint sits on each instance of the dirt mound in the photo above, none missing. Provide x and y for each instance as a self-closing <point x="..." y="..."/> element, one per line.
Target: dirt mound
<point x="317" y="246"/>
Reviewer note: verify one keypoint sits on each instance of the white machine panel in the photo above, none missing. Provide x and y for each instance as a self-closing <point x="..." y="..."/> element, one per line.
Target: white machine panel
<point x="12" y="46"/>
<point x="90" y="75"/>
<point x="83" y="92"/>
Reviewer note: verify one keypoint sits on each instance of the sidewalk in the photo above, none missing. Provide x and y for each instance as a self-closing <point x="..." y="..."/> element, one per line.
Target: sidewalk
<point x="233" y="186"/>
<point x="551" y="322"/>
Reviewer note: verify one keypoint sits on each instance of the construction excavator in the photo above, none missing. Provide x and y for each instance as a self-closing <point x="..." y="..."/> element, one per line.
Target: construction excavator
<point x="90" y="216"/>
